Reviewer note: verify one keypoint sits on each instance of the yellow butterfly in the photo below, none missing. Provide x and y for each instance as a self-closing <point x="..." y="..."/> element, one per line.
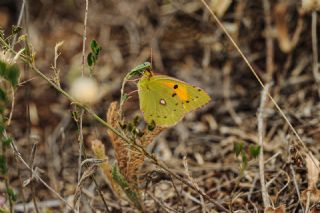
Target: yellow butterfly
<point x="165" y="100"/>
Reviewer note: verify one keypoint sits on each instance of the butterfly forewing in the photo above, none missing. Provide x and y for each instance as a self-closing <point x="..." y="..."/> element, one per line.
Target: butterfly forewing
<point x="191" y="96"/>
<point x="165" y="100"/>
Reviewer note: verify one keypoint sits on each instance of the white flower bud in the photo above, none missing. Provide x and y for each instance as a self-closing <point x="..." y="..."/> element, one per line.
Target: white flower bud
<point x="85" y="90"/>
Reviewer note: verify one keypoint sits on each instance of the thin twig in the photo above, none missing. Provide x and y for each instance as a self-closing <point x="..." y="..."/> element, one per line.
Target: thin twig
<point x="84" y="35"/>
<point x="12" y="106"/>
<point x="269" y="40"/>
<point x="315" y="69"/>
<point x="35" y="175"/>
<point x="264" y="191"/>
<point x="296" y="186"/>
<point x="80" y="155"/>
<point x="257" y="77"/>
<point x="19" y="21"/>
<point x="33" y="153"/>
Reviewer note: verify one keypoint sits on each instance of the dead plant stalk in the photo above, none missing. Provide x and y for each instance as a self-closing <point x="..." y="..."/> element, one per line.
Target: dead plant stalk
<point x="261" y="130"/>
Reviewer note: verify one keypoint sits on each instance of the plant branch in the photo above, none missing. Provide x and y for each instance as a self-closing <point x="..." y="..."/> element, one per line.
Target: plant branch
<point x="264" y="191"/>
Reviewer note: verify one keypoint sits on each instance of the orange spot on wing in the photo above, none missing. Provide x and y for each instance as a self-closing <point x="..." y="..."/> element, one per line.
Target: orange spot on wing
<point x="181" y="91"/>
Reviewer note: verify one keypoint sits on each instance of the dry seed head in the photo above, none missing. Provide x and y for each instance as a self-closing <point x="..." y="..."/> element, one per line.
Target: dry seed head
<point x="98" y="149"/>
<point x="85" y="90"/>
<point x="8" y="58"/>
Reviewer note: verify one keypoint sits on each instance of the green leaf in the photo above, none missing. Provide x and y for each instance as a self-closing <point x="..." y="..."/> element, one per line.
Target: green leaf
<point x="1" y="128"/>
<point x="3" y="95"/>
<point x="3" y="164"/>
<point x="12" y="194"/>
<point x="254" y="150"/>
<point x="132" y="195"/>
<point x="3" y="68"/>
<point x="238" y="148"/>
<point x="93" y="45"/>
<point x="7" y="141"/>
<point x="138" y="70"/>
<point x="13" y="74"/>
<point x="90" y="59"/>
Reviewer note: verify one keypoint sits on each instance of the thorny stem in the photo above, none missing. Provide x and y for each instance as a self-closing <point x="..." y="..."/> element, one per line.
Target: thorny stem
<point x="96" y="117"/>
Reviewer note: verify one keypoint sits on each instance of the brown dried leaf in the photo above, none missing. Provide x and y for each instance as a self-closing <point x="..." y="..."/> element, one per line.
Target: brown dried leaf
<point x="279" y="209"/>
<point x="282" y="27"/>
<point x="312" y="192"/>
<point x="312" y="165"/>
<point x="314" y="195"/>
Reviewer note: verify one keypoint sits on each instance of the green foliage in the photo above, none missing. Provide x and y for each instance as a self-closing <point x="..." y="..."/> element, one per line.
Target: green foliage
<point x="3" y="164"/>
<point x="94" y="54"/>
<point x="132" y="195"/>
<point x="138" y="70"/>
<point x="12" y="195"/>
<point x="254" y="150"/>
<point x="246" y="153"/>
<point x="238" y="147"/>
<point x="3" y="95"/>
<point x="10" y="72"/>
<point x="6" y="141"/>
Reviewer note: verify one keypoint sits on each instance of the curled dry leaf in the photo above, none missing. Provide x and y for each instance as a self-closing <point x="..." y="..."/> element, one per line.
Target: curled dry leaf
<point x="286" y="43"/>
<point x="279" y="209"/>
<point x="312" y="192"/>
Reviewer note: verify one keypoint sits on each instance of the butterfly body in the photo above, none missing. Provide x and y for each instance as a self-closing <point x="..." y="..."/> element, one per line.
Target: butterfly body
<point x="165" y="100"/>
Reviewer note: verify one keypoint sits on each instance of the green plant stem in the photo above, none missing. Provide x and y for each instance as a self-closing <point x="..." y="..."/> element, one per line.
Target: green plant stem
<point x="103" y="122"/>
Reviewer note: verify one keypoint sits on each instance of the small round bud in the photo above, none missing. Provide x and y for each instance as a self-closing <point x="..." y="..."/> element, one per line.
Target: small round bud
<point x="85" y="90"/>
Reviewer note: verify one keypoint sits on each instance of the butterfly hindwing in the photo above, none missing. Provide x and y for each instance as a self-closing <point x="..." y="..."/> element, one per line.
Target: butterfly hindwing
<point x="157" y="105"/>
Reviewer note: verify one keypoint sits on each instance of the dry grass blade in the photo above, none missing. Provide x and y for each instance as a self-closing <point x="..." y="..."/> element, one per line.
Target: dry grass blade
<point x="86" y="174"/>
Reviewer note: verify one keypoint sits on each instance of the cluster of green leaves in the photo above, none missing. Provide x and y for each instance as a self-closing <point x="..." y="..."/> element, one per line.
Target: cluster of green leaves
<point x="9" y="77"/>
<point x="246" y="152"/>
<point x="138" y="70"/>
<point x="131" y="194"/>
<point x="94" y="54"/>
